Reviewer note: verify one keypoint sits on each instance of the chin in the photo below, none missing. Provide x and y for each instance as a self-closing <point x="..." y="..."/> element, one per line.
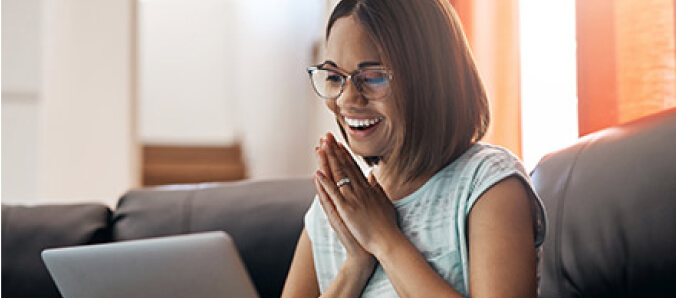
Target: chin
<point x="371" y="147"/>
<point x="360" y="150"/>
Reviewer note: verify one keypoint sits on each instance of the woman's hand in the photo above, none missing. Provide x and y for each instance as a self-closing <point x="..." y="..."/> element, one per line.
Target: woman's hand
<point x="360" y="207"/>
<point x="357" y="258"/>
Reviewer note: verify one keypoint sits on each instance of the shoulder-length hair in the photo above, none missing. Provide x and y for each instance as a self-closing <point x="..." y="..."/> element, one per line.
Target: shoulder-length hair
<point x="436" y="84"/>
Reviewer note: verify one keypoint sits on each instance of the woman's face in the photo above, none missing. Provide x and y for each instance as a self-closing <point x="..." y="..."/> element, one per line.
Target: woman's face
<point x="370" y="124"/>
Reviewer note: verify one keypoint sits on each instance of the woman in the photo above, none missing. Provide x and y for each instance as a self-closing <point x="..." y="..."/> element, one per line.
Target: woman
<point x="440" y="214"/>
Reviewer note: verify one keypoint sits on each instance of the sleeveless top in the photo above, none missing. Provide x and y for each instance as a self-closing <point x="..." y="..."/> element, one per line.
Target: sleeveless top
<point x="434" y="218"/>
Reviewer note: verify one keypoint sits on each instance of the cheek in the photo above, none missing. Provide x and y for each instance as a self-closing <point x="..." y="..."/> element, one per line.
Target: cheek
<point x="396" y="123"/>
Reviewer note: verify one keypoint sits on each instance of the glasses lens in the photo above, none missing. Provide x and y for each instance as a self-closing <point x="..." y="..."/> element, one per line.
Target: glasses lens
<point x="327" y="83"/>
<point x="375" y="83"/>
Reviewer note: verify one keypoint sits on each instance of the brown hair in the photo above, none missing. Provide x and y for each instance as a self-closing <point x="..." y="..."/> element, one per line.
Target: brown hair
<point x="436" y="84"/>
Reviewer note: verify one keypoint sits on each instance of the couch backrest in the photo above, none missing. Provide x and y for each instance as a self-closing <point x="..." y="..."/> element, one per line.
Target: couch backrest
<point x="611" y="207"/>
<point x="26" y="231"/>
<point x="264" y="218"/>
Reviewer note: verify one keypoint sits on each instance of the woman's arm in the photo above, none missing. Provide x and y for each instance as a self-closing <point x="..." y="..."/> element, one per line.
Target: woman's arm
<point x="354" y="272"/>
<point x="501" y="244"/>
<point x="501" y="251"/>
<point x="302" y="280"/>
<point x="365" y="212"/>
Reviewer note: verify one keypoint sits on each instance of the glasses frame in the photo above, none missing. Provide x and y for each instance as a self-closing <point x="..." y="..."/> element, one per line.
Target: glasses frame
<point x="345" y="75"/>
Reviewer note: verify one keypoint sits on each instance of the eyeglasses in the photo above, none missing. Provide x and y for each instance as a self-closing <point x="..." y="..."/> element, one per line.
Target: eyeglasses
<point x="329" y="83"/>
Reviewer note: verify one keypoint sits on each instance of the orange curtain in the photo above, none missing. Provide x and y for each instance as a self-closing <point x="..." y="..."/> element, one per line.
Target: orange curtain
<point x="626" y="60"/>
<point x="492" y="29"/>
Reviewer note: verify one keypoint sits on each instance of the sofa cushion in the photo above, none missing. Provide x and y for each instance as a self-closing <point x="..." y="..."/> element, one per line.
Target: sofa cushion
<point x="611" y="207"/>
<point x="264" y="218"/>
<point x="26" y="231"/>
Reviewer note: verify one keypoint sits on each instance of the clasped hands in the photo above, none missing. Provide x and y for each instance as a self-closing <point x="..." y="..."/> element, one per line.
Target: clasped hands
<point x="359" y="211"/>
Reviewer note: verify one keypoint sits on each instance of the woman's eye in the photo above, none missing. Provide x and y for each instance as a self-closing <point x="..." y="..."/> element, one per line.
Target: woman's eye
<point x="333" y="78"/>
<point x="375" y="80"/>
<point x="374" y="77"/>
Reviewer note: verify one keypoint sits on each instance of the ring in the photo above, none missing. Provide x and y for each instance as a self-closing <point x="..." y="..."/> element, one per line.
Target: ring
<point x="342" y="182"/>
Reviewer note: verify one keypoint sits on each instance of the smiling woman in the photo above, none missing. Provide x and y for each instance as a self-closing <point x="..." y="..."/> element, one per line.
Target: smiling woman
<point x="401" y="82"/>
<point x="448" y="72"/>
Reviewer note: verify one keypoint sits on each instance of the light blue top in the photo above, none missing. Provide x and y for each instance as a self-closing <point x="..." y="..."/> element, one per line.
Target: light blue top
<point x="434" y="218"/>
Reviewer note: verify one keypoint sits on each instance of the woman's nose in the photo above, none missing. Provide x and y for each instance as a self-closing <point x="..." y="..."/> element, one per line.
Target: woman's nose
<point x="351" y="95"/>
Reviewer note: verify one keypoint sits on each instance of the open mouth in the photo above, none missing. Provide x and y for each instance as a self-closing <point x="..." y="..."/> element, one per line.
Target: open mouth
<point x="363" y="124"/>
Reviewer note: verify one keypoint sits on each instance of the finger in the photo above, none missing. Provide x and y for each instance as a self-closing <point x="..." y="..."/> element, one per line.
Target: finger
<point x="324" y="164"/>
<point x="332" y="190"/>
<point x="336" y="222"/>
<point x="318" y="160"/>
<point x="351" y="166"/>
<point x="325" y="201"/>
<point x="348" y="165"/>
<point x="336" y="166"/>
<point x="375" y="184"/>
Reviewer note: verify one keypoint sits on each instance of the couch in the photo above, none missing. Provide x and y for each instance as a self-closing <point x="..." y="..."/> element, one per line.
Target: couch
<point x="611" y="208"/>
<point x="610" y="200"/>
<point x="264" y="218"/>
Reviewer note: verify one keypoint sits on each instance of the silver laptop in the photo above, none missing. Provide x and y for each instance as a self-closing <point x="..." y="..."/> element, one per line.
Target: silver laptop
<point x="194" y="265"/>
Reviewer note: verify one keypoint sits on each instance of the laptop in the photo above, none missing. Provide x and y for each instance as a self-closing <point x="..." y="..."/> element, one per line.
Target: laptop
<point x="193" y="265"/>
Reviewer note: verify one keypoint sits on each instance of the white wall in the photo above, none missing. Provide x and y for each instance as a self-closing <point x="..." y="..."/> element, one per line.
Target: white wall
<point x="67" y="104"/>
<point x="21" y="41"/>
<point x="21" y="67"/>
<point x="72" y="137"/>
<point x="222" y="71"/>
<point x="19" y="146"/>
<point x="87" y="148"/>
<point x="275" y="102"/>
<point x="187" y="71"/>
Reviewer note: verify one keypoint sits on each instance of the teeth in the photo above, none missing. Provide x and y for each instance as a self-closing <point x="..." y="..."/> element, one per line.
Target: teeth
<point x="362" y="123"/>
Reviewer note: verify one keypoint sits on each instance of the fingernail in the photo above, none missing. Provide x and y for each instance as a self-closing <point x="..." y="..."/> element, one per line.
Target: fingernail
<point x="319" y="174"/>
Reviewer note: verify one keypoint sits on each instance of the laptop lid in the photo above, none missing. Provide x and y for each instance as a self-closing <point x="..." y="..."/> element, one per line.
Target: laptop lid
<point x="193" y="265"/>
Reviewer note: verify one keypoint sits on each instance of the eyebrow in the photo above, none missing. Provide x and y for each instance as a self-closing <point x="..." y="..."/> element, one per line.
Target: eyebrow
<point x="368" y="63"/>
<point x="329" y="62"/>
<point x="360" y="65"/>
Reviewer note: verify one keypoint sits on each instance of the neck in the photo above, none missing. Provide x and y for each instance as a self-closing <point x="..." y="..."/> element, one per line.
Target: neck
<point x="394" y="183"/>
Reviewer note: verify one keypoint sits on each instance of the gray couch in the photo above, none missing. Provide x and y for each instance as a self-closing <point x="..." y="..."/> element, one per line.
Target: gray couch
<point x="610" y="199"/>
<point x="611" y="206"/>
<point x="264" y="218"/>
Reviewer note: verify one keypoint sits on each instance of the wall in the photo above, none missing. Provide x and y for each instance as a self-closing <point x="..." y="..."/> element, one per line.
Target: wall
<point x="21" y="82"/>
<point x="276" y="107"/>
<point x="76" y="140"/>
<point x="223" y="71"/>
<point x="187" y="72"/>
<point x="87" y="144"/>
<point x="85" y="147"/>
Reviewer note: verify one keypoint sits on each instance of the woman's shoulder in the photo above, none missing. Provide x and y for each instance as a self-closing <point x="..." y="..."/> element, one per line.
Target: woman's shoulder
<point x="482" y="150"/>
<point x="484" y="155"/>
<point x="481" y="163"/>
